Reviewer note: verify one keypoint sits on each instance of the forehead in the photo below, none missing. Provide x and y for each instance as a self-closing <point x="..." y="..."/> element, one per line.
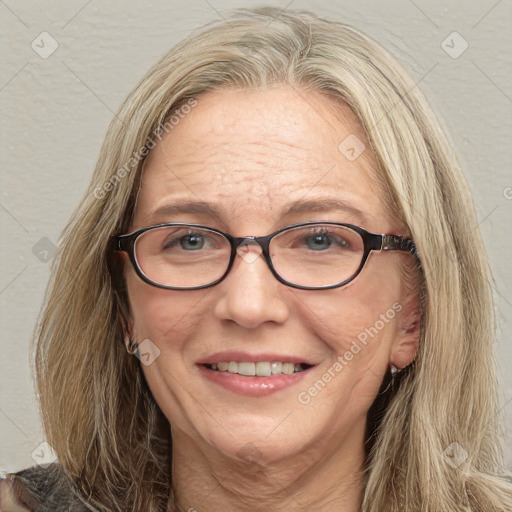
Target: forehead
<point x="253" y="152"/>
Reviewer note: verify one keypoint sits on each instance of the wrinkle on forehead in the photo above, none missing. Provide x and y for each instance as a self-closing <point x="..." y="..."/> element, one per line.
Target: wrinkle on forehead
<point x="259" y="154"/>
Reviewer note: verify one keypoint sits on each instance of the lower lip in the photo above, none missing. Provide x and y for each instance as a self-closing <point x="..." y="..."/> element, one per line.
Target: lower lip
<point x="253" y="386"/>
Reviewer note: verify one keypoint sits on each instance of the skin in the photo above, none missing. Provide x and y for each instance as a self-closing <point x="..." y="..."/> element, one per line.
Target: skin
<point x="8" y="498"/>
<point x="251" y="153"/>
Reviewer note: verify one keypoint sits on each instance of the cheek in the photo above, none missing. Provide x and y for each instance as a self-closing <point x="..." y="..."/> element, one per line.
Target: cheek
<point x="161" y="315"/>
<point x="169" y="319"/>
<point x="360" y="322"/>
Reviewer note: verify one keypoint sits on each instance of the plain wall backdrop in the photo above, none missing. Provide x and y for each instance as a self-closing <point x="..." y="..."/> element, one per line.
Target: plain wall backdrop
<point x="67" y="65"/>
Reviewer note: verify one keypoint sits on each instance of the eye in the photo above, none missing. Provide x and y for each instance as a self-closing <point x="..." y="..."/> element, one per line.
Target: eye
<point x="318" y="241"/>
<point x="323" y="240"/>
<point x="192" y="241"/>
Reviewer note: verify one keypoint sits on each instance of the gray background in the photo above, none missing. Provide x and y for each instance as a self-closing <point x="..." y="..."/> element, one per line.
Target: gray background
<point x="55" y="112"/>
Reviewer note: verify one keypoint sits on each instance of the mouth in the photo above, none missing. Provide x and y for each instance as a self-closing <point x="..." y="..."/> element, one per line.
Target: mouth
<point x="258" y="369"/>
<point x="254" y="375"/>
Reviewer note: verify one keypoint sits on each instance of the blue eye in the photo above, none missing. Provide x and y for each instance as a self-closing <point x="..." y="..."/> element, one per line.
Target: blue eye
<point x="318" y="242"/>
<point x="192" y="242"/>
<point x="324" y="240"/>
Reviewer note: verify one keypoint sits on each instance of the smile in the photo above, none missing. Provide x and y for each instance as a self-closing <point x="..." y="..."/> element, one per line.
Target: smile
<point x="258" y="369"/>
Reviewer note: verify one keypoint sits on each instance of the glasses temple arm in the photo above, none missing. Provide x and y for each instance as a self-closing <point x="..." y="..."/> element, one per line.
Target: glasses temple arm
<point x="393" y="242"/>
<point x="121" y="243"/>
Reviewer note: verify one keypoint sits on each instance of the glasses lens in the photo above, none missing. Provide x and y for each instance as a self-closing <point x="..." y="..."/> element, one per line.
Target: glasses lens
<point x="317" y="255"/>
<point x="182" y="256"/>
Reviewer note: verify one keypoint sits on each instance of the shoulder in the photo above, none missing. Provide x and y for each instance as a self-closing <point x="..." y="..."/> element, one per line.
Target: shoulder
<point x="39" y="489"/>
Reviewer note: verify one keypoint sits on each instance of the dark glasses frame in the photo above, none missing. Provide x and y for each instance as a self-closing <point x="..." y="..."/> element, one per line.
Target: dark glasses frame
<point x="371" y="242"/>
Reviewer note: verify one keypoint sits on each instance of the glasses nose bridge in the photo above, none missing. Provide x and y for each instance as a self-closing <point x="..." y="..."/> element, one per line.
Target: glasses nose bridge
<point x="261" y="241"/>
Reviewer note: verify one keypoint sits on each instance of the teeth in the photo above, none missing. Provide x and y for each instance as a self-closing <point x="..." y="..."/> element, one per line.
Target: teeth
<point x="246" y="369"/>
<point x="260" y="369"/>
<point x="263" y="369"/>
<point x="288" y="368"/>
<point x="276" y="367"/>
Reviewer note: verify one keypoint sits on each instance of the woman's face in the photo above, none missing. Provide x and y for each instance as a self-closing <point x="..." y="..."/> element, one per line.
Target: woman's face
<point x="251" y="155"/>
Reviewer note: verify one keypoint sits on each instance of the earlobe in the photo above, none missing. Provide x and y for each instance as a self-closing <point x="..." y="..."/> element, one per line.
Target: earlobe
<point x="130" y="344"/>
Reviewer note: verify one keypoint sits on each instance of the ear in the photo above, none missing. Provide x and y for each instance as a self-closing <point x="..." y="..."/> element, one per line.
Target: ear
<point x="130" y="330"/>
<point x="124" y="315"/>
<point x="406" y="344"/>
<point x="128" y="324"/>
<point x="118" y="266"/>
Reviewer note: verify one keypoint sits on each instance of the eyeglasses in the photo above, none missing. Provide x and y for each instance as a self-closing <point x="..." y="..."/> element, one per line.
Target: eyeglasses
<point x="309" y="256"/>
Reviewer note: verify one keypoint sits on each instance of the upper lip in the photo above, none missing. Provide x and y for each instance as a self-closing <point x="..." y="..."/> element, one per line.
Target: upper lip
<point x="219" y="357"/>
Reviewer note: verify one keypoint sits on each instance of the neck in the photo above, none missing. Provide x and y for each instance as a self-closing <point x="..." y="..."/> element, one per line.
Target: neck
<point x="330" y="480"/>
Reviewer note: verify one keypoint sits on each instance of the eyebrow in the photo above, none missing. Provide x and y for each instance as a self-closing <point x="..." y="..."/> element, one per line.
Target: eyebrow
<point x="318" y="205"/>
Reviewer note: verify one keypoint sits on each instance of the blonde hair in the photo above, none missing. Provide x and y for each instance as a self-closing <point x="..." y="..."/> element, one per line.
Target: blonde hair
<point x="112" y="440"/>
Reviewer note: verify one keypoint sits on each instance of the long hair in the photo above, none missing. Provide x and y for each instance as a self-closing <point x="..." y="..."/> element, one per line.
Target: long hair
<point x="435" y="446"/>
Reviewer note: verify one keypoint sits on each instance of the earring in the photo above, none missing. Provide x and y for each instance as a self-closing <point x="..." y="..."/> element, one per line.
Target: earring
<point x="130" y="344"/>
<point x="394" y="372"/>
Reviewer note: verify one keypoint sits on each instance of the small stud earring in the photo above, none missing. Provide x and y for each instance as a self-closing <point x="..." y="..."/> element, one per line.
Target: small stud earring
<point x="130" y="344"/>
<point x="394" y="370"/>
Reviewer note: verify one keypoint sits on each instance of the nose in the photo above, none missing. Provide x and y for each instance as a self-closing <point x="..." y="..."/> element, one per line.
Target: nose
<point x="250" y="295"/>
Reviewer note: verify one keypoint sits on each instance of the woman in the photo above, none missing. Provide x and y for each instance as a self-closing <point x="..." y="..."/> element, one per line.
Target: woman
<point x="211" y="340"/>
